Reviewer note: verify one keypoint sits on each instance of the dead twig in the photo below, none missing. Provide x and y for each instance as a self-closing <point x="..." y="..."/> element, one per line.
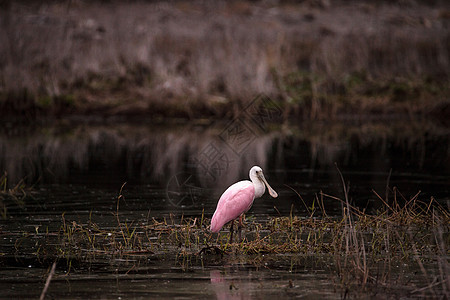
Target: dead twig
<point x="47" y="282"/>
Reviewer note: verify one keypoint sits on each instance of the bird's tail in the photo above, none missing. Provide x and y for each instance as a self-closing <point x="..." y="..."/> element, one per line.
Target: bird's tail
<point x="215" y="224"/>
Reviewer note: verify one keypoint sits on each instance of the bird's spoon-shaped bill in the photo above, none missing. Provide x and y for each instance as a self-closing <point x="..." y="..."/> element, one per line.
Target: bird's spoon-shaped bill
<point x="271" y="190"/>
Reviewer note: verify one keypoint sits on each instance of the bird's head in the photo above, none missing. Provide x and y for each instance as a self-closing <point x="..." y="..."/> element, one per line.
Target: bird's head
<point x="257" y="173"/>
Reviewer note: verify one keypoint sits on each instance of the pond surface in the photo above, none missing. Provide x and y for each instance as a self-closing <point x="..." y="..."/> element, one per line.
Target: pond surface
<point x="76" y="171"/>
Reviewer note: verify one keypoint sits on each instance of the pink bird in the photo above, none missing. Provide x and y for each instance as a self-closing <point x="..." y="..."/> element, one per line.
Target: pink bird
<point x="238" y="199"/>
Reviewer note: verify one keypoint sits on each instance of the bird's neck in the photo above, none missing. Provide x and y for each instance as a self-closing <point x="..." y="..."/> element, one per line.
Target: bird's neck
<point x="260" y="188"/>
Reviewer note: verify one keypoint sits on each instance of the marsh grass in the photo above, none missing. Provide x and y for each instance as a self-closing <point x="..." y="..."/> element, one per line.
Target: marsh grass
<point x="364" y="248"/>
<point x="12" y="197"/>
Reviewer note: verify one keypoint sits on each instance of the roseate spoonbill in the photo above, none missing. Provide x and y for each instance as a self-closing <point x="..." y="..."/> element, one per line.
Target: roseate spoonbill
<point x="238" y="199"/>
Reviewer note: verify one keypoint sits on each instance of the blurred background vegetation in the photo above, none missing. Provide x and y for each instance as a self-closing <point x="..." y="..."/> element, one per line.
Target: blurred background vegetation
<point x="318" y="59"/>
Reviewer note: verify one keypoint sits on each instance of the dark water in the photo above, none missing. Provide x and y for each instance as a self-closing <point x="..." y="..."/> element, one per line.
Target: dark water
<point x="76" y="165"/>
<point x="77" y="170"/>
<point x="285" y="276"/>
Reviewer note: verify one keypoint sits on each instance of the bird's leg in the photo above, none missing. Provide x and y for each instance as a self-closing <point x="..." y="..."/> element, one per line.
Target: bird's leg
<point x="242" y="220"/>
<point x="231" y="231"/>
<point x="240" y="228"/>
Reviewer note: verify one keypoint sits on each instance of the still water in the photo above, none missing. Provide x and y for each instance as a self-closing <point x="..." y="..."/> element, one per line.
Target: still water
<point x="77" y="170"/>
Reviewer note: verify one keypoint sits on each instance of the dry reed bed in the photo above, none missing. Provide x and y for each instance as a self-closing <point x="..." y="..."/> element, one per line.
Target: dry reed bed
<point x="401" y="231"/>
<point x="277" y="235"/>
<point x="192" y="59"/>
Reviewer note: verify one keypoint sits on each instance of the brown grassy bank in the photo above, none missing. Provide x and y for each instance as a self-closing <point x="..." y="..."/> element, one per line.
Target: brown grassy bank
<point x="316" y="59"/>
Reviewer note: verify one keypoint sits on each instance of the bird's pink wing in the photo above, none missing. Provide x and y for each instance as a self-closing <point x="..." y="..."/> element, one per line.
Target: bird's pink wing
<point x="236" y="200"/>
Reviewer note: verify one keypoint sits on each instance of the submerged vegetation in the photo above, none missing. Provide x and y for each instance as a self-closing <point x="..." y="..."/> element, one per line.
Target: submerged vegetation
<point x="192" y="59"/>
